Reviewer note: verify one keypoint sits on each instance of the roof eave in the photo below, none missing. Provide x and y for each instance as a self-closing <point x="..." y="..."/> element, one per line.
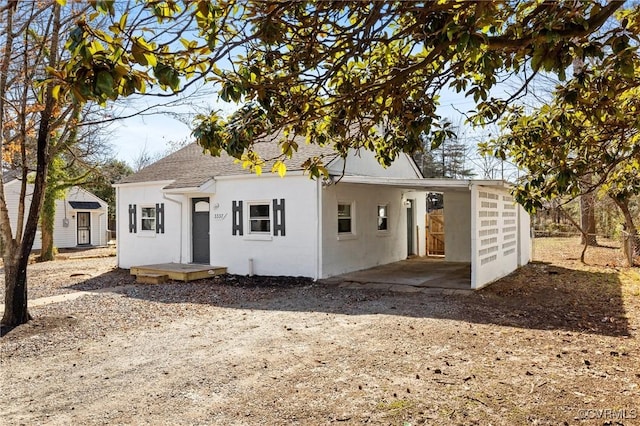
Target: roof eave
<point x="208" y="187"/>
<point x="144" y="183"/>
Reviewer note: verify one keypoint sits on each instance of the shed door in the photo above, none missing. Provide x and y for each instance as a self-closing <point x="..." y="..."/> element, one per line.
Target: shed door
<point x="200" y="230"/>
<point x="84" y="228"/>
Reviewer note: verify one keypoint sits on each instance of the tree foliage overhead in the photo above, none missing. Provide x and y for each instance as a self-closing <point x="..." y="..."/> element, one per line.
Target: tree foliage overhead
<point x="591" y="129"/>
<point x="349" y="74"/>
<point x="587" y="138"/>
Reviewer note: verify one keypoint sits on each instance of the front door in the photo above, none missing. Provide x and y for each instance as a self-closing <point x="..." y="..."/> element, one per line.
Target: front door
<point x="200" y="230"/>
<point x="410" y="226"/>
<point x="84" y="228"/>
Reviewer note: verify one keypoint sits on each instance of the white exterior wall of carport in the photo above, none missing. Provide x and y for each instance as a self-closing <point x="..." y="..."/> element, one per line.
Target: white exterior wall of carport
<point x="457" y="218"/>
<point x="499" y="241"/>
<point x="367" y="247"/>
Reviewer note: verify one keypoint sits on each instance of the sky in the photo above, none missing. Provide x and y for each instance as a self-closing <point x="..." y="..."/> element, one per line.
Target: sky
<point x="155" y="129"/>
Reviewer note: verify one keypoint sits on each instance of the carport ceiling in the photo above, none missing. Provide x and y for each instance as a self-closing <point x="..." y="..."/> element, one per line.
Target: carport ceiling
<point x="430" y="185"/>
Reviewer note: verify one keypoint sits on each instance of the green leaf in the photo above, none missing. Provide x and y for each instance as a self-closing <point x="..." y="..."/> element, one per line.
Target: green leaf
<point x="139" y="54"/>
<point x="104" y="83"/>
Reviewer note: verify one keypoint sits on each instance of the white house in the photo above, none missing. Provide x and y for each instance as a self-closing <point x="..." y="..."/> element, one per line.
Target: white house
<point x="191" y="207"/>
<point x="81" y="217"/>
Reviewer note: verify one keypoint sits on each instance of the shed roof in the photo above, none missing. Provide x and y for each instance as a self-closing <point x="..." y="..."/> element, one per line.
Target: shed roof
<point x="192" y="167"/>
<point x="85" y="205"/>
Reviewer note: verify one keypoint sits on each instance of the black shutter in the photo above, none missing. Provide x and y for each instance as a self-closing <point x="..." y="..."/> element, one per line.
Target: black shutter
<point x="160" y="218"/>
<point x="278" y="217"/>
<point x="236" y="211"/>
<point x="132" y="218"/>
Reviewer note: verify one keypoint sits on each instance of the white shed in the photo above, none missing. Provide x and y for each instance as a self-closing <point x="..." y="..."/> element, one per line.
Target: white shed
<point x="80" y="221"/>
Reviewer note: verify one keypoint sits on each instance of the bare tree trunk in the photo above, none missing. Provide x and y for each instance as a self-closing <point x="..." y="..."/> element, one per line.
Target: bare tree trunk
<point x="588" y="218"/>
<point x="623" y="205"/>
<point x="579" y="228"/>
<point x="15" y="304"/>
<point x="17" y="255"/>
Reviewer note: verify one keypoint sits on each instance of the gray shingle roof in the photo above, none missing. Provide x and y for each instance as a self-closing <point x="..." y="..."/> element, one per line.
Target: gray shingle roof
<point x="191" y="167"/>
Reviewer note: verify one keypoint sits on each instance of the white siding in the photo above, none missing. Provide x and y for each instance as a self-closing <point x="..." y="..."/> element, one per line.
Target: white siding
<point x="12" y="199"/>
<point x="63" y="237"/>
<point x="495" y="235"/>
<point x="69" y="235"/>
<point x="367" y="247"/>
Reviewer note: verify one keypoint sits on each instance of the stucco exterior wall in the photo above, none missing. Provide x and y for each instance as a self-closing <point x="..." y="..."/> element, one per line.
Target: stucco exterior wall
<point x="457" y="226"/>
<point x="294" y="254"/>
<point x="147" y="247"/>
<point x="366" y="246"/>
<point x="364" y="163"/>
<point x="495" y="235"/>
<point x="525" y="241"/>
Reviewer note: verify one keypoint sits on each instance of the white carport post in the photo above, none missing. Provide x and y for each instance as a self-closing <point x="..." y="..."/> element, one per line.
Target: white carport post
<point x="475" y="261"/>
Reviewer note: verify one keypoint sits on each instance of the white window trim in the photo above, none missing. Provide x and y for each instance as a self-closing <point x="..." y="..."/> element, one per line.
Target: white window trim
<point x="382" y="232"/>
<point x="257" y="235"/>
<point x="341" y="236"/>
<point x="147" y="232"/>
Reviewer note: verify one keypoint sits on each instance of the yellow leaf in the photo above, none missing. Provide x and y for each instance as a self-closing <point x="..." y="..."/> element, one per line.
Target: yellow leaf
<point x="55" y="92"/>
<point x="258" y="170"/>
<point x="151" y="59"/>
<point x="62" y="2"/>
<point x="280" y="168"/>
<point x="123" y="21"/>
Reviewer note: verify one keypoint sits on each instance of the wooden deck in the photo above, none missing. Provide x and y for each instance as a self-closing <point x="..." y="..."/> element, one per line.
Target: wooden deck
<point x="179" y="271"/>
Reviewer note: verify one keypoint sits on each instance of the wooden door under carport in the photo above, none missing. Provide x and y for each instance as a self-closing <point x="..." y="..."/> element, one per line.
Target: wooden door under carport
<point x="435" y="233"/>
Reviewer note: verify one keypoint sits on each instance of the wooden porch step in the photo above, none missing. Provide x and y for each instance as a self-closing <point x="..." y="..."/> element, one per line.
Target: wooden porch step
<point x="179" y="271"/>
<point x="152" y="278"/>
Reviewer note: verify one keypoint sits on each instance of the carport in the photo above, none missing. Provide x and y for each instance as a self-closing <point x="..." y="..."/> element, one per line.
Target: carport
<point x="487" y="236"/>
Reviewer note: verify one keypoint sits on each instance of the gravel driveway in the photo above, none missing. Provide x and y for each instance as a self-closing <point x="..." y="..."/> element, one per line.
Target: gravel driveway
<point x="236" y="351"/>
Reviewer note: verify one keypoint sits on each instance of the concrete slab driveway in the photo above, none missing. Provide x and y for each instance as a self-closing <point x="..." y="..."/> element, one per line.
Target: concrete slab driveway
<point x="409" y="275"/>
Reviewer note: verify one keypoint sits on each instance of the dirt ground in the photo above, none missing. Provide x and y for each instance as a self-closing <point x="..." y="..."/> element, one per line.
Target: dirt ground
<point x="555" y="343"/>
